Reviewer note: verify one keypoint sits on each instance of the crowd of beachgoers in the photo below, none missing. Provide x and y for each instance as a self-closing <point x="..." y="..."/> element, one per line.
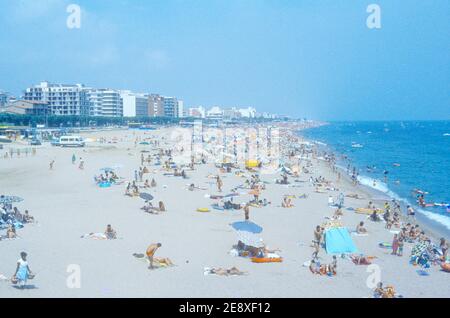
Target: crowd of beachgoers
<point x="244" y="188"/>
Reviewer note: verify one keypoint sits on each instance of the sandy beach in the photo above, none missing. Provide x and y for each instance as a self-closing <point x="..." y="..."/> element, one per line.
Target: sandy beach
<point x="67" y="203"/>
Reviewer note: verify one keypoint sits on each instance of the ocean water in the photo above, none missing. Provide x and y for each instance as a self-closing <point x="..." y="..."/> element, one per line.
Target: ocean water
<point x="420" y="151"/>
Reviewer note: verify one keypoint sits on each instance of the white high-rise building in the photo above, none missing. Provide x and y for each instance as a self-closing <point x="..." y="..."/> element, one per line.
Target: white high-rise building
<point x="215" y="112"/>
<point x="104" y="102"/>
<point x="134" y="104"/>
<point x="248" y="112"/>
<point x="62" y="99"/>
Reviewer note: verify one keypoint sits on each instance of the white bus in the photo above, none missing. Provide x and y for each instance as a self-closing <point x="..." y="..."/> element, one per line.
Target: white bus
<point x="71" y="141"/>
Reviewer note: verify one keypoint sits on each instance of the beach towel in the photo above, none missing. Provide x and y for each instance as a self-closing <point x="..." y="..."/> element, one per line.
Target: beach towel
<point x="95" y="236"/>
<point x="339" y="241"/>
<point x="385" y="245"/>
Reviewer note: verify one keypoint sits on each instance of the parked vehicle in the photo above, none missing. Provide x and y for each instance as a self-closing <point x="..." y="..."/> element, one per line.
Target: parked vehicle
<point x="35" y="142"/>
<point x="71" y="141"/>
<point x="55" y="142"/>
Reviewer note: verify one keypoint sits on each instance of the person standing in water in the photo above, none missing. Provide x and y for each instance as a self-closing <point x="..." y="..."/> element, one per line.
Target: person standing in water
<point x="23" y="271"/>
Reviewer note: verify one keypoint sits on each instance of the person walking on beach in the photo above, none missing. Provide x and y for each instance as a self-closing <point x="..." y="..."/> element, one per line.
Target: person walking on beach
<point x="81" y="165"/>
<point x="247" y="212"/>
<point x="51" y="164"/>
<point x="341" y="200"/>
<point x="410" y="212"/>
<point x="395" y="245"/>
<point x="23" y="271"/>
<point x="219" y="183"/>
<point x="74" y="159"/>
<point x="318" y="235"/>
<point x="150" y="252"/>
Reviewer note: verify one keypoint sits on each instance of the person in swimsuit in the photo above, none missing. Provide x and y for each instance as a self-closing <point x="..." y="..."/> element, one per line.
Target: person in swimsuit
<point x="247" y="212"/>
<point x="444" y="247"/>
<point x="318" y="235"/>
<point x="150" y="252"/>
<point x="360" y="229"/>
<point x="110" y="233"/>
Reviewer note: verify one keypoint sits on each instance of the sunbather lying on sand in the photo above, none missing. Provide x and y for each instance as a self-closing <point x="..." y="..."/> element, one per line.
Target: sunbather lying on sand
<point x="149" y="208"/>
<point x="353" y="196"/>
<point x="361" y="260"/>
<point x="224" y="272"/>
<point x="193" y="187"/>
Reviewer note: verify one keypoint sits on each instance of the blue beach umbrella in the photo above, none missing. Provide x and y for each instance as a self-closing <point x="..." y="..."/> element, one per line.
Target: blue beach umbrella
<point x="107" y="169"/>
<point x="10" y="199"/>
<point x="247" y="226"/>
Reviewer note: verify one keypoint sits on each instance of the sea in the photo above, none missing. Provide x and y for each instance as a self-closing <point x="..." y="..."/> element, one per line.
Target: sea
<point x="411" y="154"/>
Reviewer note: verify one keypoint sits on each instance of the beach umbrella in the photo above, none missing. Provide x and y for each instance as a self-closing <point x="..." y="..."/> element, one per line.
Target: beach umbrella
<point x="146" y="196"/>
<point x="247" y="226"/>
<point x="10" y="199"/>
<point x="418" y="249"/>
<point x="107" y="169"/>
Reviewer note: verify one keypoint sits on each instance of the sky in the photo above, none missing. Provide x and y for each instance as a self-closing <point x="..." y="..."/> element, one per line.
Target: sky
<point x="315" y="59"/>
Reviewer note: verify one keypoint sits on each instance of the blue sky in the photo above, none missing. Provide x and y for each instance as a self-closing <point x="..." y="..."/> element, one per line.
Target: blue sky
<point x="311" y="58"/>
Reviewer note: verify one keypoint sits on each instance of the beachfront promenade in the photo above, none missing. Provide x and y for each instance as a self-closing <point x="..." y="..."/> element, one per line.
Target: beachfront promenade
<point x="68" y="205"/>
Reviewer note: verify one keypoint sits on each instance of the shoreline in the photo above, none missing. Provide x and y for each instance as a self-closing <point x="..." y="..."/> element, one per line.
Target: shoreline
<point x="434" y="229"/>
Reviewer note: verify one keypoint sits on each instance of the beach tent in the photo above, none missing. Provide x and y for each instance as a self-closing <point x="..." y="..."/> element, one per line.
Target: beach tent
<point x="339" y="241"/>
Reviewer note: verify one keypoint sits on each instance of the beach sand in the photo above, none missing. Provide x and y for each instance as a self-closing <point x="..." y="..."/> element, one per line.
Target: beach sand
<point x="67" y="204"/>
